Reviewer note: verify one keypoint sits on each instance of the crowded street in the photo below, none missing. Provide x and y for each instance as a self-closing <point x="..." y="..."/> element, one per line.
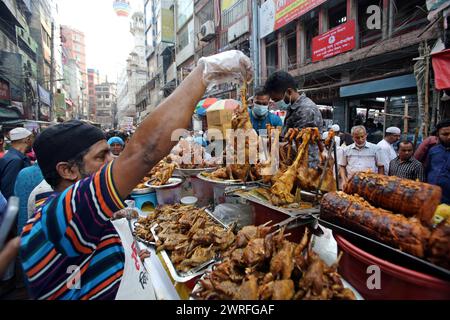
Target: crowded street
<point x="225" y="150"/>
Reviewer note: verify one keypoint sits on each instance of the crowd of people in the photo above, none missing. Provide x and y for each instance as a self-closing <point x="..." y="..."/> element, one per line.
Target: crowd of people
<point x="70" y="197"/>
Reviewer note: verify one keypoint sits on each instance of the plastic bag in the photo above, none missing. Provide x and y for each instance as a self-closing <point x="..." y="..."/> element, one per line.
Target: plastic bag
<point x="325" y="246"/>
<point x="229" y="213"/>
<point x="226" y="67"/>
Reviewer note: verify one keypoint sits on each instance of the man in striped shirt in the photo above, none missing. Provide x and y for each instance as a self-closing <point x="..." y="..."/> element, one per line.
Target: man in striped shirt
<point x="70" y="248"/>
<point x="405" y="165"/>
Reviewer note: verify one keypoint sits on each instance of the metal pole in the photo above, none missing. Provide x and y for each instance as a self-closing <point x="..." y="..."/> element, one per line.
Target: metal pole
<point x="427" y="92"/>
<point x="255" y="43"/>
<point x="52" y="72"/>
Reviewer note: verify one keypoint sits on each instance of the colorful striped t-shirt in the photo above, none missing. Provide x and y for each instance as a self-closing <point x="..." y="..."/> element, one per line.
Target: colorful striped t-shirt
<point x="70" y="249"/>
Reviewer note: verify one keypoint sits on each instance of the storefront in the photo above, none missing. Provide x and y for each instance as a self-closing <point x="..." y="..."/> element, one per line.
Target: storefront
<point x="381" y="104"/>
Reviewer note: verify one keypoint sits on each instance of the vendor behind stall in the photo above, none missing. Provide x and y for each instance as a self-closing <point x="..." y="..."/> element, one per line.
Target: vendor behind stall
<point x="260" y="116"/>
<point x="72" y="230"/>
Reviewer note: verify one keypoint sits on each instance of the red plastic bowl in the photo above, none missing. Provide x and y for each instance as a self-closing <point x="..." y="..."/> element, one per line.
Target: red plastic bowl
<point x="397" y="283"/>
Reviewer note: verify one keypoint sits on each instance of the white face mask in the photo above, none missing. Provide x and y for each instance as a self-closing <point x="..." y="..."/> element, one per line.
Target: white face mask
<point x="260" y="110"/>
<point x="282" y="104"/>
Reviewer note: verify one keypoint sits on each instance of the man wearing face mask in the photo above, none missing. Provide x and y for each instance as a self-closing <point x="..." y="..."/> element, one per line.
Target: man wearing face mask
<point x="260" y="115"/>
<point x="302" y="112"/>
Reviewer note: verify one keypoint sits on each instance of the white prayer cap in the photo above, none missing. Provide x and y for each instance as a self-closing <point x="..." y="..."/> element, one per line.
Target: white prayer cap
<point x="393" y="130"/>
<point x="335" y="128"/>
<point x="19" y="134"/>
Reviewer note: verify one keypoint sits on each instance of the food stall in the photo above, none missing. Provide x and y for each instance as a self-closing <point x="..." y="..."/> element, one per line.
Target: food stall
<point x="305" y="240"/>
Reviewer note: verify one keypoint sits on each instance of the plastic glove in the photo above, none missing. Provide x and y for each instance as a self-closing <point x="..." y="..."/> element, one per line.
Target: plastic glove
<point x="229" y="66"/>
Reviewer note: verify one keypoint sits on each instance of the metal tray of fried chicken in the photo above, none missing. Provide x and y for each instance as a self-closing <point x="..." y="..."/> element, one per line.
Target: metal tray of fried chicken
<point x="259" y="194"/>
<point x="199" y="253"/>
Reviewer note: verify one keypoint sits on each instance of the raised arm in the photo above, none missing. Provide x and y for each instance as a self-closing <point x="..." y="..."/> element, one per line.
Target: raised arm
<point x="152" y="140"/>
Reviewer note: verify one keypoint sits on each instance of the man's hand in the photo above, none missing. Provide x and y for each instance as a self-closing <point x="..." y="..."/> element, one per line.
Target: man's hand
<point x="8" y="254"/>
<point x="226" y="67"/>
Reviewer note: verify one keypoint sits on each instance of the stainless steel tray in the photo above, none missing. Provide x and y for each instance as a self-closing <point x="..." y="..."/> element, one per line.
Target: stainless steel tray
<point x="183" y="277"/>
<point x="248" y="194"/>
<point x="193" y="172"/>
<point x="201" y="176"/>
<point x="142" y="191"/>
<point x="171" y="183"/>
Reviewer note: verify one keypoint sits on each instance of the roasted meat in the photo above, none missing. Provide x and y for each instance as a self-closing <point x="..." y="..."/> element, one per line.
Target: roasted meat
<point x="439" y="245"/>
<point x="411" y="198"/>
<point x="356" y="214"/>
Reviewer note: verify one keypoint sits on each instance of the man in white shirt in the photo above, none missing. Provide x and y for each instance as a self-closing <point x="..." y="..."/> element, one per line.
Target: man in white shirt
<point x="386" y="145"/>
<point x="360" y="156"/>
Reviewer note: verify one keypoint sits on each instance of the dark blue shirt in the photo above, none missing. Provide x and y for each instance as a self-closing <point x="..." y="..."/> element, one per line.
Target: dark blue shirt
<point x="261" y="124"/>
<point x="10" y="166"/>
<point x="438" y="170"/>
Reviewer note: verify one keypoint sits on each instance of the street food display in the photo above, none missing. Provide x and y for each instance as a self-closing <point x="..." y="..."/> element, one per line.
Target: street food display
<point x="354" y="212"/>
<point x="245" y="172"/>
<point x="411" y="198"/>
<point x="159" y="175"/>
<point x="189" y="234"/>
<point x="265" y="266"/>
<point x="387" y="209"/>
<point x="439" y="245"/>
<point x="189" y="155"/>
<point x="299" y="175"/>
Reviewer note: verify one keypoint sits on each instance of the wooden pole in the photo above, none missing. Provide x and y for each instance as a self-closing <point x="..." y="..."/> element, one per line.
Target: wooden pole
<point x="405" y="120"/>
<point x="427" y="92"/>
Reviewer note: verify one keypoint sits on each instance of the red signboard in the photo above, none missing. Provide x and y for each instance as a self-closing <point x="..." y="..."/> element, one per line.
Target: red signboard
<point x="441" y="67"/>
<point x="335" y="41"/>
<point x="5" y="93"/>
<point x="289" y="10"/>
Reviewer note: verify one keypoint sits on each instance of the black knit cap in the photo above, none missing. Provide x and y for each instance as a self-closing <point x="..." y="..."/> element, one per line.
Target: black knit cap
<point x="443" y="124"/>
<point x="62" y="142"/>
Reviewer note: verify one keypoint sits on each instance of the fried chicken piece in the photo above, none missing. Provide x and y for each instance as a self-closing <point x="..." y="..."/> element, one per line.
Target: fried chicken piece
<point x="250" y="232"/>
<point x="172" y="241"/>
<point x="265" y="291"/>
<point x="254" y="253"/>
<point x="227" y="288"/>
<point x="200" y="256"/>
<point x="281" y="190"/>
<point x="314" y="277"/>
<point x="237" y="256"/>
<point x="282" y="264"/>
<point x="299" y="258"/>
<point x="248" y="289"/>
<point x="283" y="290"/>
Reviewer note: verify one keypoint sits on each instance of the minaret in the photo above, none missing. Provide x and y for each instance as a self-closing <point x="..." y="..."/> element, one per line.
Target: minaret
<point x="137" y="29"/>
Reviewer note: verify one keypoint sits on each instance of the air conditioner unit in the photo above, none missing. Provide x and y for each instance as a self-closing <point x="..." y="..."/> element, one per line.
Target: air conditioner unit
<point x="207" y="31"/>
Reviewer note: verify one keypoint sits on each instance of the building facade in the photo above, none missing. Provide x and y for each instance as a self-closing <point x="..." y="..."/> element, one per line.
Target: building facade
<point x="356" y="58"/>
<point x="106" y="103"/>
<point x="74" y="44"/>
<point x="134" y="77"/>
<point x="93" y="81"/>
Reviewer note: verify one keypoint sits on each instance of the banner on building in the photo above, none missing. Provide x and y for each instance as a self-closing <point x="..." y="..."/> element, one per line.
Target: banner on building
<point x="277" y="13"/>
<point x="5" y="93"/>
<point x="227" y="4"/>
<point x="127" y="123"/>
<point x="168" y="28"/>
<point x="44" y="96"/>
<point x="337" y="40"/>
<point x="441" y="68"/>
